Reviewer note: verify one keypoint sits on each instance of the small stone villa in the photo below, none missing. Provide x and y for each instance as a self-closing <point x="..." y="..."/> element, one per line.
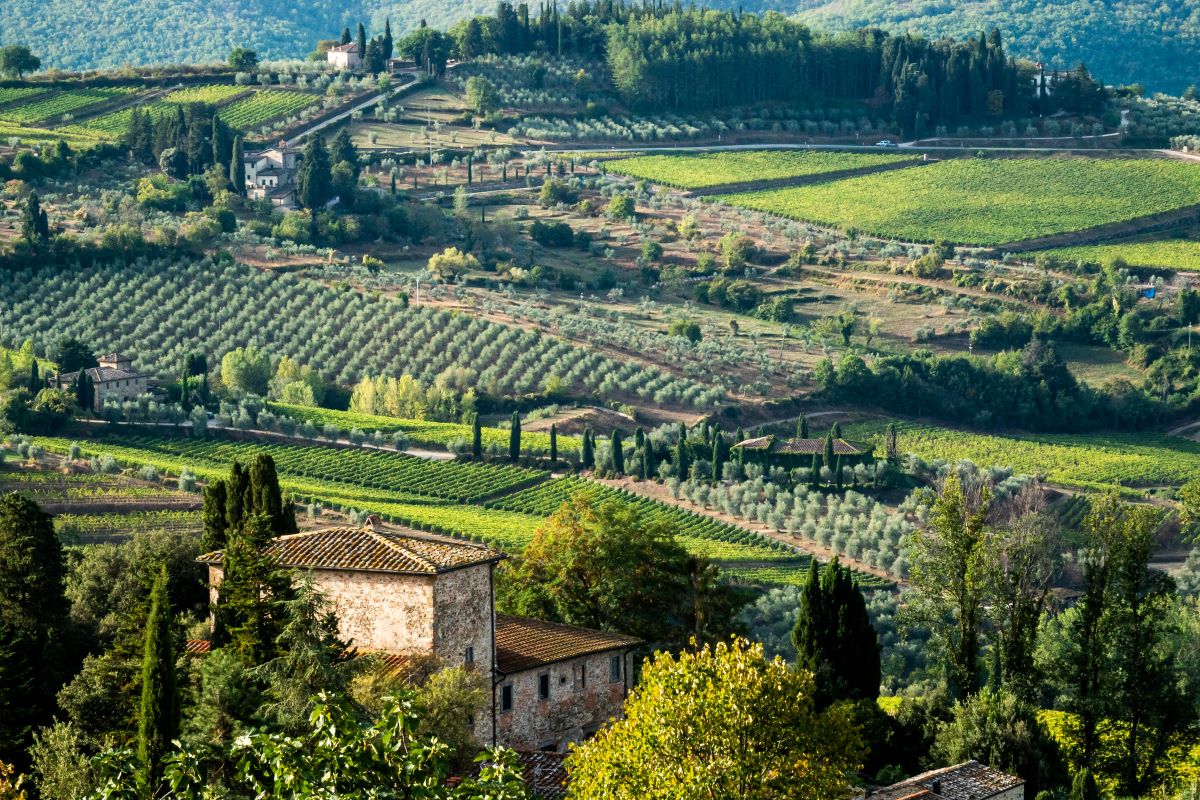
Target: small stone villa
<point x="404" y="594"/>
<point x="114" y="378"/>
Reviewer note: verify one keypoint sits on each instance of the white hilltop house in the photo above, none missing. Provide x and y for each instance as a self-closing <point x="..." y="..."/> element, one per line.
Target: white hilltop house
<point x="271" y="175"/>
<point x="344" y="56"/>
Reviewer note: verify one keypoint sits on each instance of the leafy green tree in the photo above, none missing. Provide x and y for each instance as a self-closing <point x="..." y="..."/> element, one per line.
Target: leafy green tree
<point x="1000" y="730"/>
<point x="158" y="716"/>
<point x="247" y="368"/>
<point x="834" y="638"/>
<point x="607" y="565"/>
<point x="242" y="59"/>
<point x="719" y="722"/>
<point x="16" y="60"/>
<point x="950" y="573"/>
<point x="482" y="96"/>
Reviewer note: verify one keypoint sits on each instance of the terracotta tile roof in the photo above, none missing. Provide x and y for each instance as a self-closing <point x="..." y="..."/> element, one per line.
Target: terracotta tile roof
<point x="369" y="550"/>
<point x="967" y="781"/>
<point x="349" y="47"/>
<point x="101" y="375"/>
<point x="545" y="775"/>
<point x="197" y="647"/>
<point x="806" y="447"/>
<point x="523" y="643"/>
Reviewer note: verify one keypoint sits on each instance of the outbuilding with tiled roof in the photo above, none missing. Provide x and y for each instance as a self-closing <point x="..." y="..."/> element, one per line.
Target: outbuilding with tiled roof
<point x="969" y="780"/>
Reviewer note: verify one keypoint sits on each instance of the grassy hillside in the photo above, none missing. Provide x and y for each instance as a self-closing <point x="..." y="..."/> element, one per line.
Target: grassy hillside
<point x="1121" y="42"/>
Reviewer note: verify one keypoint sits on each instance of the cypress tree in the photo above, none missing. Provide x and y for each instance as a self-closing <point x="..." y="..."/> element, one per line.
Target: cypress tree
<point x="836" y="430"/>
<point x="362" y="42"/>
<point x="839" y="473"/>
<point x="393" y="183"/>
<point x="35" y="379"/>
<point x="681" y="458"/>
<point x="514" y="438"/>
<point x="588" y="457"/>
<point x="314" y="179"/>
<point x="237" y="497"/>
<point x="237" y="167"/>
<point x="814" y="476"/>
<point x="158" y="717"/>
<point x="834" y="638"/>
<point x="265" y="495"/>
<point x="553" y="443"/>
<point x="618" y="452"/>
<point x="803" y="427"/>
<point x="648" y="462"/>
<point x="388" y="42"/>
<point x="345" y="38"/>
<point x="639" y="438"/>
<point x="476" y="438"/>
<point x="718" y="455"/>
<point x="828" y="459"/>
<point x="893" y="454"/>
<point x="214" y="516"/>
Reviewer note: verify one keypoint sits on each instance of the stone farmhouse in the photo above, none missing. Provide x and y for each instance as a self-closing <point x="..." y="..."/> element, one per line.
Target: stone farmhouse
<point x="115" y="378"/>
<point x="344" y="56"/>
<point x="967" y="781"/>
<point x="403" y="594"/>
<point x="271" y="175"/>
<point x="775" y="451"/>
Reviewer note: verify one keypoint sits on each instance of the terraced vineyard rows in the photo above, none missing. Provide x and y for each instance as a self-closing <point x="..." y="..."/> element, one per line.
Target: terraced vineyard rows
<point x="87" y="528"/>
<point x="1101" y="461"/>
<point x="989" y="201"/>
<point x="452" y="480"/>
<point x="264" y="106"/>
<point x="53" y="106"/>
<point x="13" y="93"/>
<point x="212" y="95"/>
<point x="1177" y="254"/>
<point x="116" y="123"/>
<point x="714" y="169"/>
<point x="420" y="432"/>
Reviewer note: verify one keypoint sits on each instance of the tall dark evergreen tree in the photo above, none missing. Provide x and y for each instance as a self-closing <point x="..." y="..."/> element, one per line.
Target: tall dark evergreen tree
<point x="682" y="462"/>
<point x="35" y="225"/>
<point x="158" y="714"/>
<point x="588" y="456"/>
<point x="237" y="167"/>
<point x="389" y="44"/>
<point x="834" y="638"/>
<point x="345" y="37"/>
<point x="238" y="502"/>
<point x="476" y="438"/>
<point x="827" y="459"/>
<point x="213" y="517"/>
<point x="362" y="41"/>
<point x="314" y="180"/>
<point x="33" y="616"/>
<point x="553" y="443"/>
<point x="248" y="616"/>
<point x="618" y="452"/>
<point x="266" y="496"/>
<point x="514" y="438"/>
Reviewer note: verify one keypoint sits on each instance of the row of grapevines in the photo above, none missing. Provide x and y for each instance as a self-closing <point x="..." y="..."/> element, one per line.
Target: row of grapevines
<point x="704" y="170"/>
<point x="264" y="106"/>
<point x="57" y="103"/>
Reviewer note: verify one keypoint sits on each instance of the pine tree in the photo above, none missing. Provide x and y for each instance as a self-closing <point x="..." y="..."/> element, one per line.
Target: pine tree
<point x="158" y="715"/>
<point x="618" y="452"/>
<point x="553" y="443"/>
<point x="514" y="438"/>
<point x="588" y="457"/>
<point x="476" y="438"/>
<point x="237" y="167"/>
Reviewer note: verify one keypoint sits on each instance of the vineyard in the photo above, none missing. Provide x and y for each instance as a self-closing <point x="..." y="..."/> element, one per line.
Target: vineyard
<point x="264" y="106"/>
<point x="213" y="95"/>
<point x="89" y="528"/>
<point x="1099" y="461"/>
<point x="714" y="169"/>
<point x="157" y="309"/>
<point x="1176" y="254"/>
<point x="116" y="123"/>
<point x="989" y="201"/>
<point x="52" y="106"/>
<point x="14" y="93"/>
<point x="74" y="135"/>
<point x="419" y="432"/>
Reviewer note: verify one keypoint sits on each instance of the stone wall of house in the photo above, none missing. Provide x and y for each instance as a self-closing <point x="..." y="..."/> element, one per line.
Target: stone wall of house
<point x="582" y="698"/>
<point x="381" y="611"/>
<point x="463" y="616"/>
<point x="124" y="389"/>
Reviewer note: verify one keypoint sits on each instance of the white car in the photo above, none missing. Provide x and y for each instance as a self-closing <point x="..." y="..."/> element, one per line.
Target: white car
<point x="886" y="143"/>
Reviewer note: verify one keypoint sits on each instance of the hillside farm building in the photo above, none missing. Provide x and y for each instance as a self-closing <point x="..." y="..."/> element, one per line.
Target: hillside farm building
<point x="405" y="595"/>
<point x="344" y="56"/>
<point x="967" y="781"/>
<point x="114" y="378"/>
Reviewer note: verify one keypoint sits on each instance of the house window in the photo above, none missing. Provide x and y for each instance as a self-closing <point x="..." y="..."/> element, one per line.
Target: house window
<point x="583" y="676"/>
<point x="614" y="669"/>
<point x="469" y="657"/>
<point x="506" y="697"/>
<point x="544" y="686"/>
<point x="471" y="721"/>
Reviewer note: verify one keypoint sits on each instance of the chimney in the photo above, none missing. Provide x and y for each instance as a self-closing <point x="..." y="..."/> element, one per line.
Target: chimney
<point x="374" y="522"/>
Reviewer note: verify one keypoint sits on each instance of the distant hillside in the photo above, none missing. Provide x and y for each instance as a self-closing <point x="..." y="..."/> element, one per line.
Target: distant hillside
<point x="1120" y="40"/>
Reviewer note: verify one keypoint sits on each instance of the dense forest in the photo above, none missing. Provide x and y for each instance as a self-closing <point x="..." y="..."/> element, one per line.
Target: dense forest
<point x="1121" y="42"/>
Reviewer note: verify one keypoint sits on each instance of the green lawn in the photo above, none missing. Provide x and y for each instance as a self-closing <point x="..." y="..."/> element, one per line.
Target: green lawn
<point x="989" y="201"/>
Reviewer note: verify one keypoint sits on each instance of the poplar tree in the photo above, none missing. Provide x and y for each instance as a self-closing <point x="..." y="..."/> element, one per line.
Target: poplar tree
<point x="158" y="714"/>
<point x="514" y="438"/>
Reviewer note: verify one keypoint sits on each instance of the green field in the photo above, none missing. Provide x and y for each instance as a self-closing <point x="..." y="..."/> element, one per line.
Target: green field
<point x="264" y="106"/>
<point x="429" y="495"/>
<point x="214" y="94"/>
<point x="714" y="169"/>
<point x="72" y="135"/>
<point x="989" y="201"/>
<point x="1102" y="461"/>
<point x="51" y="106"/>
<point x="1176" y="254"/>
<point x="419" y="432"/>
